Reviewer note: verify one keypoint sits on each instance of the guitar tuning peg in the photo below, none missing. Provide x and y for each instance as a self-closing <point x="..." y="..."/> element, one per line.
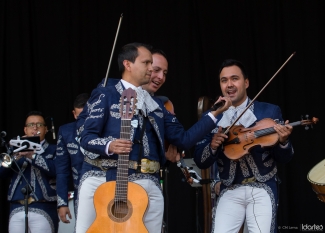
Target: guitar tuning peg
<point x="307" y="116"/>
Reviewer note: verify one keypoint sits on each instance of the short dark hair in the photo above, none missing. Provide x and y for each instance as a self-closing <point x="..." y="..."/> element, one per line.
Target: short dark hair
<point x="233" y="62"/>
<point x="36" y="113"/>
<point x="159" y="51"/>
<point x="130" y="52"/>
<point x="81" y="100"/>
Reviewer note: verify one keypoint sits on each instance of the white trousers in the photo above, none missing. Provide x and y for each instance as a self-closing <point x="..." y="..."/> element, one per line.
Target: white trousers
<point x="87" y="214"/>
<point x="234" y="206"/>
<point x="37" y="223"/>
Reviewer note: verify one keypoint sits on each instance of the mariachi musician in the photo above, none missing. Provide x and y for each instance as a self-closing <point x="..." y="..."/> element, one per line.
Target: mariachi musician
<point x="32" y="187"/>
<point x="158" y="123"/>
<point x="249" y="178"/>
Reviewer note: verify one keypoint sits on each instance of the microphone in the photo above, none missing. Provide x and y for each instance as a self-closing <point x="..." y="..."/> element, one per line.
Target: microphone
<point x="53" y="130"/>
<point x="218" y="105"/>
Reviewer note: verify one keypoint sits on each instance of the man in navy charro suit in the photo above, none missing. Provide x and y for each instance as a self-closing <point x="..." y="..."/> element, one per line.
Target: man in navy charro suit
<point x="248" y="182"/>
<point x="69" y="161"/>
<point x="100" y="136"/>
<point x="39" y="171"/>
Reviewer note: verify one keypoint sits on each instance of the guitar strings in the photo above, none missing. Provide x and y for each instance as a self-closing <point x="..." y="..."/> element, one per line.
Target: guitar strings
<point x="123" y="161"/>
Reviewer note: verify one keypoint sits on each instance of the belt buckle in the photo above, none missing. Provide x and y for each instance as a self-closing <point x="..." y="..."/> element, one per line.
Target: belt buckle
<point x="148" y="166"/>
<point x="248" y="180"/>
<point x="29" y="201"/>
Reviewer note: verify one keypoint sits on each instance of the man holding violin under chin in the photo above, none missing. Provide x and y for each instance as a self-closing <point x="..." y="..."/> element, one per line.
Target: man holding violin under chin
<point x="249" y="180"/>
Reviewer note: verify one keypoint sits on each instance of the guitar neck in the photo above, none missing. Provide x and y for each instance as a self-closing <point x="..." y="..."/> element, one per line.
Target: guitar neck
<point x="123" y="164"/>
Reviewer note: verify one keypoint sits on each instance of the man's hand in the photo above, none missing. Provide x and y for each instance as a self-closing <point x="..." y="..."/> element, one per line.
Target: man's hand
<point x="172" y="155"/>
<point x="120" y="146"/>
<point x="283" y="131"/>
<point x="63" y="211"/>
<point x="26" y="154"/>
<point x="217" y="139"/>
<point x="223" y="108"/>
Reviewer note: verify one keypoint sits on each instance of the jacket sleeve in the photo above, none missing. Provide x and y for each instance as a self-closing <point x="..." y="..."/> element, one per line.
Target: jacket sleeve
<point x="203" y="155"/>
<point x="185" y="139"/>
<point x="63" y="170"/>
<point x="91" y="131"/>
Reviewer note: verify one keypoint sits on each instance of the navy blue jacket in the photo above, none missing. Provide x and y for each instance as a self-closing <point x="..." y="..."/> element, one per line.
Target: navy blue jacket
<point x="68" y="162"/>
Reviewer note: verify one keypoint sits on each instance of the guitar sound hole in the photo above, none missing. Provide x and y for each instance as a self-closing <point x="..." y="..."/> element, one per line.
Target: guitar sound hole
<point x="120" y="210"/>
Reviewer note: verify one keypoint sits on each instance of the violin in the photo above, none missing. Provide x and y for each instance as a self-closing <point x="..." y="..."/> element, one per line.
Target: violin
<point x="181" y="164"/>
<point x="241" y="140"/>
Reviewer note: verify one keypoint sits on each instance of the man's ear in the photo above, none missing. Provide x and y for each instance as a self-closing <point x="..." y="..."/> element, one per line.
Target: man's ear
<point x="126" y="64"/>
<point x="247" y="83"/>
<point x="74" y="114"/>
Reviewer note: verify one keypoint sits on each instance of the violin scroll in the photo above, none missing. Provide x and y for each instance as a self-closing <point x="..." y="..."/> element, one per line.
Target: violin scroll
<point x="308" y="122"/>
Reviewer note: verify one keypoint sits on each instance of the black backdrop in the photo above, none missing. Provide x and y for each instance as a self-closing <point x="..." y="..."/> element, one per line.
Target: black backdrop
<point x="50" y="51"/>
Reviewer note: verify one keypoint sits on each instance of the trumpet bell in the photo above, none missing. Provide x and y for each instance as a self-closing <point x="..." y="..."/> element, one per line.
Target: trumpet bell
<point x="5" y="160"/>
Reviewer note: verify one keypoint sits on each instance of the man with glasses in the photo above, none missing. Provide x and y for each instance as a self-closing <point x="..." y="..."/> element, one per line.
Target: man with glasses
<point x="38" y="169"/>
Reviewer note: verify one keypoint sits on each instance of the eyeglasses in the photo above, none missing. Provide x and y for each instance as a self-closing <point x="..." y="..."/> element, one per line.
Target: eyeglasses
<point x="31" y="125"/>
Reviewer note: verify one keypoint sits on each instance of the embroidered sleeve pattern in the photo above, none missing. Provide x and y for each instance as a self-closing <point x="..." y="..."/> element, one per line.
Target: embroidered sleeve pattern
<point x="206" y="153"/>
<point x="89" y="154"/>
<point x="98" y="141"/>
<point x="40" y="161"/>
<point x="61" y="202"/>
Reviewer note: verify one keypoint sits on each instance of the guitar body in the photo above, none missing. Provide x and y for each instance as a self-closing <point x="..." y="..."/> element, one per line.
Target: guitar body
<point x="119" y="217"/>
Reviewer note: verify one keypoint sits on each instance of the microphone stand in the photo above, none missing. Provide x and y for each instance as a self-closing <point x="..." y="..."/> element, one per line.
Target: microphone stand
<point x="26" y="191"/>
<point x="28" y="188"/>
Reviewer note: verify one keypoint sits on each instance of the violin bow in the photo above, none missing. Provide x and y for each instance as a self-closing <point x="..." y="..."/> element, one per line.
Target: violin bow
<point x="227" y="130"/>
<point x="110" y="60"/>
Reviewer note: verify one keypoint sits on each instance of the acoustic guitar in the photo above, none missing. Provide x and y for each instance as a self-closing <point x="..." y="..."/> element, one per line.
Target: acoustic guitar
<point x="120" y="205"/>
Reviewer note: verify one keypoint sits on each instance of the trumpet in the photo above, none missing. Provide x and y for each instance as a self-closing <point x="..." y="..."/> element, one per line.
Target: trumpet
<point x="5" y="160"/>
